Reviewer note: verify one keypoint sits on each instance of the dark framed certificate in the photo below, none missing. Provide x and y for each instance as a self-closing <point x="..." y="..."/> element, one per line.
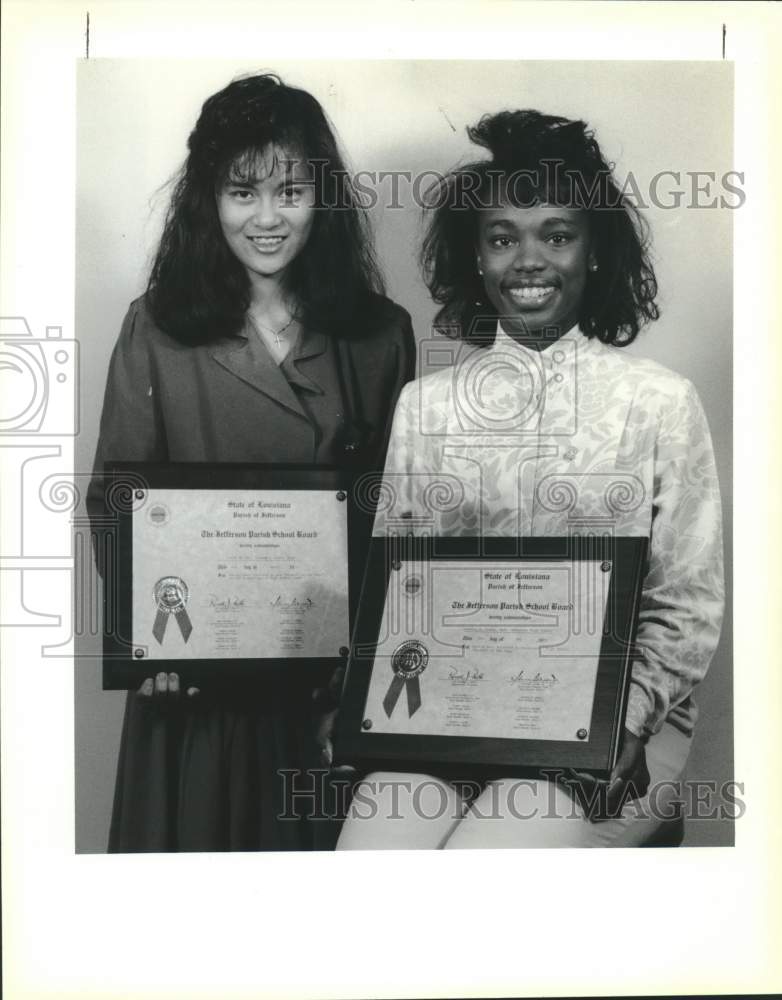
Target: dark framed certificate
<point x="225" y="570"/>
<point x="492" y="655"/>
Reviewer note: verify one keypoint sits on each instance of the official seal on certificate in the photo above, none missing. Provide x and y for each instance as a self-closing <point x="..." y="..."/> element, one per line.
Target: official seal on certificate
<point x="408" y="662"/>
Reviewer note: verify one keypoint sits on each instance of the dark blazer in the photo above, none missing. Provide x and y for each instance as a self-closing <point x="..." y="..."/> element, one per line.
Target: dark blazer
<point x="205" y="775"/>
<point x="224" y="402"/>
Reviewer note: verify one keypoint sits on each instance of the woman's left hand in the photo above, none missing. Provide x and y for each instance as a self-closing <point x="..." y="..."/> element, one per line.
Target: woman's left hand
<point x="630" y="777"/>
<point x="629" y="780"/>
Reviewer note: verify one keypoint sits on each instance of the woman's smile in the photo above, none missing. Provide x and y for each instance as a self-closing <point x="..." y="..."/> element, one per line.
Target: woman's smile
<point x="530" y="296"/>
<point x="267" y="244"/>
<point x="266" y="207"/>
<point x="534" y="264"/>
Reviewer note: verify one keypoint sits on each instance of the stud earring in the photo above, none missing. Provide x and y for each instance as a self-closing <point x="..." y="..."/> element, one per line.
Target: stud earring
<point x="593" y="266"/>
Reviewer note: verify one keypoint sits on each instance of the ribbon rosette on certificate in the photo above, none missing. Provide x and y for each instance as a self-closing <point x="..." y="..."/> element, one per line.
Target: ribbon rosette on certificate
<point x="407" y="663"/>
<point x="171" y="597"/>
<point x="253" y="562"/>
<point x="514" y="654"/>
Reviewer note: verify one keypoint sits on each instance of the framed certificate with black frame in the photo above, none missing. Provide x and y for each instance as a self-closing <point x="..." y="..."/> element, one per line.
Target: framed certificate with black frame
<point x="224" y="571"/>
<point x="492" y="655"/>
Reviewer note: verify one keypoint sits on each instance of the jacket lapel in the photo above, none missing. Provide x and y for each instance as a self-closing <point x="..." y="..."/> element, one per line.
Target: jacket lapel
<point x="247" y="359"/>
<point x="309" y="365"/>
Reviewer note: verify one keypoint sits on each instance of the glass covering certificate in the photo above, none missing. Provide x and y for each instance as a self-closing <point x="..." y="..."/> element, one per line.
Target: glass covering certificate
<point x="229" y="574"/>
<point x="489" y="649"/>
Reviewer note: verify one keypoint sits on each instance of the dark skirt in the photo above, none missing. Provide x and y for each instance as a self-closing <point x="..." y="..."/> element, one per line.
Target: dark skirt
<point x="220" y="772"/>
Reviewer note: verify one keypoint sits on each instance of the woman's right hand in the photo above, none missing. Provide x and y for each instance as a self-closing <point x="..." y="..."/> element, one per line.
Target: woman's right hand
<point x="164" y="685"/>
<point x="326" y="703"/>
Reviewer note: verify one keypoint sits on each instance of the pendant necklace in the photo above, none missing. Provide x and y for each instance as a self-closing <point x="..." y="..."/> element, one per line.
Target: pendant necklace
<point x="277" y="334"/>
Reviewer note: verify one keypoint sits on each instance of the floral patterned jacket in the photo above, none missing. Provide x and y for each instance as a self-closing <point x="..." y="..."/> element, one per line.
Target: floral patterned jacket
<point x="580" y="437"/>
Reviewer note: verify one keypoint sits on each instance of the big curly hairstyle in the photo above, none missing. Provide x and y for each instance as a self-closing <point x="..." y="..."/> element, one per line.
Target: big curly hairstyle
<point x="197" y="290"/>
<point x="538" y="159"/>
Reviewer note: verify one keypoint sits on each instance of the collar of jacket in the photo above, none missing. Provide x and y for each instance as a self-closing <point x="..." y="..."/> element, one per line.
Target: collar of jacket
<point x="246" y="357"/>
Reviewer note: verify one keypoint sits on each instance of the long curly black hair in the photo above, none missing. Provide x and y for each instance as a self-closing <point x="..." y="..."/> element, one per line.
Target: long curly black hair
<point x="197" y="289"/>
<point x="538" y="158"/>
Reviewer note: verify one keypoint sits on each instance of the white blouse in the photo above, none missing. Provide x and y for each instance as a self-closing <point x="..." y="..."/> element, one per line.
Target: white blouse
<point x="578" y="438"/>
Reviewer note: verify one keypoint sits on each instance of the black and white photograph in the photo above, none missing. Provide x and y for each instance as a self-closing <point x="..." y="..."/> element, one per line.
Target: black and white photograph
<point x="596" y="408"/>
<point x="369" y="486"/>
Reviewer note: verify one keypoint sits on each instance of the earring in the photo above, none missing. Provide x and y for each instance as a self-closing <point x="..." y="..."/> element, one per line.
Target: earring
<point x="593" y="266"/>
<point x="480" y="269"/>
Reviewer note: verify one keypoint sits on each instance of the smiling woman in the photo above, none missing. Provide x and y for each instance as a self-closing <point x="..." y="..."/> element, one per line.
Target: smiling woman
<point x="539" y="234"/>
<point x="534" y="264"/>
<point x="541" y="267"/>
<point x="263" y="337"/>
<point x="266" y="212"/>
<point x="266" y="206"/>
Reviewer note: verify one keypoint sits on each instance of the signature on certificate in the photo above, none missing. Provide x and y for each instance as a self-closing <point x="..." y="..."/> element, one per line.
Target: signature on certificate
<point x="537" y="678"/>
<point x="228" y="603"/>
<point x="464" y="676"/>
<point x="300" y="603"/>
